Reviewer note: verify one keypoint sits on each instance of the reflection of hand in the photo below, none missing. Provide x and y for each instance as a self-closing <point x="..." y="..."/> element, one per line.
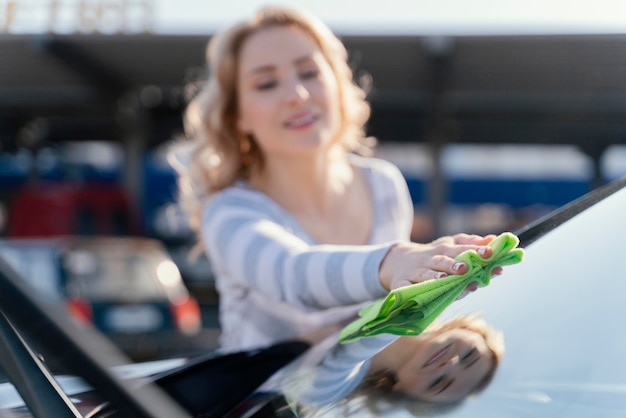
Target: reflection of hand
<point x="409" y="263"/>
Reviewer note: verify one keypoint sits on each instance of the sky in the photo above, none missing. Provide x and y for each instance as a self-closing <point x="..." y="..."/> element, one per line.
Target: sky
<point x="438" y="17"/>
<point x="411" y="16"/>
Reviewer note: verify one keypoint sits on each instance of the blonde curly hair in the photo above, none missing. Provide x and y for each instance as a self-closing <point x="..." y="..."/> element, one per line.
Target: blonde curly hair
<point x="216" y="152"/>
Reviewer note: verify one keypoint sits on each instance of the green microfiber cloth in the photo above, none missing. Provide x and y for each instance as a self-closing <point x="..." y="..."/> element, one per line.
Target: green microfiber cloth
<point x="409" y="310"/>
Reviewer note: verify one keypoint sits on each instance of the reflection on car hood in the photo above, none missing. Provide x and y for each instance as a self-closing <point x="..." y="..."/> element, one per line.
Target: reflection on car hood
<point x="561" y="315"/>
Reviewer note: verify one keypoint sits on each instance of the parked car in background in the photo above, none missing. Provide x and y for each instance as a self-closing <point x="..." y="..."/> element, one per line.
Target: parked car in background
<point x="128" y="288"/>
<point x="560" y="311"/>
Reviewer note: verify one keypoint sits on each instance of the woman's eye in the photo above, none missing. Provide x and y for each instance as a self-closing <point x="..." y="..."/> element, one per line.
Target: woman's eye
<point x="470" y="358"/>
<point x="266" y="85"/>
<point x="436" y="382"/>
<point x="469" y="355"/>
<point x="312" y="73"/>
<point x="440" y="385"/>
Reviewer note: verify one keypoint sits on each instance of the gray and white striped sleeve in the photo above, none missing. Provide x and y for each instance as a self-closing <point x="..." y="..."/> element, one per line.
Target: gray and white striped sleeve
<point x="247" y="246"/>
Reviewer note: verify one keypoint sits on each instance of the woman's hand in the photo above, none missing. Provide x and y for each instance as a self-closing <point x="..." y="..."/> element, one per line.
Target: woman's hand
<point x="410" y="263"/>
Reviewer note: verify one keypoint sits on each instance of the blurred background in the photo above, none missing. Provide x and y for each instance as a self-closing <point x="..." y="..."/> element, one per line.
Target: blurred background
<point x="496" y="112"/>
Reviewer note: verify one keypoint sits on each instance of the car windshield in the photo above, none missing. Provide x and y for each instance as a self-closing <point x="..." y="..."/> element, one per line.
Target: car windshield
<point x="560" y="311"/>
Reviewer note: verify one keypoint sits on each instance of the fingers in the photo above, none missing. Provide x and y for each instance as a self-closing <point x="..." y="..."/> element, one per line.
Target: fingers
<point x="453" y="250"/>
<point x="444" y="257"/>
<point x="472" y="287"/>
<point x="448" y="265"/>
<point x="469" y="289"/>
<point x="410" y="263"/>
<point x="472" y="239"/>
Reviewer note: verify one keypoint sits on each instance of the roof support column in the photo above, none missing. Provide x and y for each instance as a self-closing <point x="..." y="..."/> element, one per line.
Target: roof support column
<point x="134" y="123"/>
<point x="440" y="51"/>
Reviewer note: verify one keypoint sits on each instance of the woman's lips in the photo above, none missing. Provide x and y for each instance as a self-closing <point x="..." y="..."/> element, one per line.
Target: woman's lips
<point x="439" y="354"/>
<point x="301" y="121"/>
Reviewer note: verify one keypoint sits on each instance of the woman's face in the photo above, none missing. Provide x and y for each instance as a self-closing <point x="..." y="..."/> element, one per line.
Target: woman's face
<point x="287" y="92"/>
<point x="447" y="366"/>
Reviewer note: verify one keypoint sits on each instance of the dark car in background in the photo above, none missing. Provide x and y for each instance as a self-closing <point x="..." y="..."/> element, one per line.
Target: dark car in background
<point x="560" y="311"/>
<point x="128" y="288"/>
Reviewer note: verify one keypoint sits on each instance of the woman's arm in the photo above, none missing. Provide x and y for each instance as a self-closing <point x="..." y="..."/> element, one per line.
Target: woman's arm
<point x="247" y="246"/>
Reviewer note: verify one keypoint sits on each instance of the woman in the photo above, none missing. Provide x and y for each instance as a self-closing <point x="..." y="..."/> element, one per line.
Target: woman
<point x="301" y="231"/>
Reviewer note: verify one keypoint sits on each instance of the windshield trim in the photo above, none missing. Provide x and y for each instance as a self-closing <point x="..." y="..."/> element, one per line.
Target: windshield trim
<point x="535" y="230"/>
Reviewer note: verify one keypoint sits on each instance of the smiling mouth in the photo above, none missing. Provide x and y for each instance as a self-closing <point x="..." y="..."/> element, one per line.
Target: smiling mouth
<point x="302" y="121"/>
<point x="437" y="356"/>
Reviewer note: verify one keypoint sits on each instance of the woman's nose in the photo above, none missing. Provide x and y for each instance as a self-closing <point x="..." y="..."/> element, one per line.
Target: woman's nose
<point x="296" y="93"/>
<point x="450" y="362"/>
<point x="450" y="366"/>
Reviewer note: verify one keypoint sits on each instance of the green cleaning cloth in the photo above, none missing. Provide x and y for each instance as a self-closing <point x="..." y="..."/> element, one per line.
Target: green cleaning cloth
<point x="409" y="310"/>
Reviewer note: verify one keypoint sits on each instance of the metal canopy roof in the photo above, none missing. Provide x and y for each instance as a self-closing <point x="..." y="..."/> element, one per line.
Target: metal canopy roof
<point x="477" y="89"/>
<point x="535" y="89"/>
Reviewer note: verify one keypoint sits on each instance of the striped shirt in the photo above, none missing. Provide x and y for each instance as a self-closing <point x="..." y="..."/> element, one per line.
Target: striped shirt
<point x="277" y="283"/>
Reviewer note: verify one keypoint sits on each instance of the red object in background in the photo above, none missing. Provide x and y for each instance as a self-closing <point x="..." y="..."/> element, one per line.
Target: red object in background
<point x="53" y="209"/>
<point x="187" y="315"/>
<point x="80" y="309"/>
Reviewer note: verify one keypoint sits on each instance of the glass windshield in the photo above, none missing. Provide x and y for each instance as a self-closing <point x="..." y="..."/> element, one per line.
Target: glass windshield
<point x="560" y="312"/>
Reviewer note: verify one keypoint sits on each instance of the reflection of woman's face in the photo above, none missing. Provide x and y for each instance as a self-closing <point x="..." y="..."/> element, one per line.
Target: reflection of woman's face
<point x="447" y="367"/>
<point x="287" y="92"/>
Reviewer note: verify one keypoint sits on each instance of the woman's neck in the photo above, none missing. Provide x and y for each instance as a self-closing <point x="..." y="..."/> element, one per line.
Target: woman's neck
<point x="309" y="185"/>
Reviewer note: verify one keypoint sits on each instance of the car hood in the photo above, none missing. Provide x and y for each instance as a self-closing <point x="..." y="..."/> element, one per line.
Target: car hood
<point x="560" y="311"/>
